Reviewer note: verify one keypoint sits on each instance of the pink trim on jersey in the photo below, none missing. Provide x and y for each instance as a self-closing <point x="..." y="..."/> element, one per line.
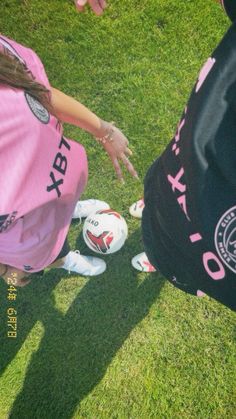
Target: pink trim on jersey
<point x="42" y="174"/>
<point x="195" y="237"/>
<point x="204" y="72"/>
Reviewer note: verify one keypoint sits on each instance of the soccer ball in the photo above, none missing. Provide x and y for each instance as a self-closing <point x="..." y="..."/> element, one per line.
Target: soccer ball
<point x="105" y="231"/>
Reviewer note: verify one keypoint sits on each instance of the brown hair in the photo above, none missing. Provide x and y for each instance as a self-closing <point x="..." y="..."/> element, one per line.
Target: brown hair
<point x="14" y="73"/>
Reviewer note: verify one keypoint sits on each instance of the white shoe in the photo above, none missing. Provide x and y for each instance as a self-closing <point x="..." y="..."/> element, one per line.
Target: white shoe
<point x="83" y="265"/>
<point x="84" y="208"/>
<point x="136" y="209"/>
<point x="141" y="263"/>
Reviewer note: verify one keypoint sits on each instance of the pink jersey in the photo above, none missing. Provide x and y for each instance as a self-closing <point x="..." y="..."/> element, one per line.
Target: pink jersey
<point x="42" y="174"/>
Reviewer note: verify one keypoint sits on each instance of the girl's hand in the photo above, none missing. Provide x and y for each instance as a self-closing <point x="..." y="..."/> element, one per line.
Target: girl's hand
<point x="116" y="146"/>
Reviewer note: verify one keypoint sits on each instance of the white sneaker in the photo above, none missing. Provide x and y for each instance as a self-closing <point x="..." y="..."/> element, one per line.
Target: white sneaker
<point x="83" y="265"/>
<point x="136" y="209"/>
<point x="84" y="208"/>
<point x="141" y="263"/>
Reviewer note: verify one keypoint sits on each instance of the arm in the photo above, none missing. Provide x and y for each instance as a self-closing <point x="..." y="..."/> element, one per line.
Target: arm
<point x="73" y="112"/>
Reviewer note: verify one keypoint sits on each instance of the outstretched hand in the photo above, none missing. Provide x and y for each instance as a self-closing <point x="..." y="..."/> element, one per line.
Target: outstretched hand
<point x="98" y="6"/>
<point x="119" y="152"/>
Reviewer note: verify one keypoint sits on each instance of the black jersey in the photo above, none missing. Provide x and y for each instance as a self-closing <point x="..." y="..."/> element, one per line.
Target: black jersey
<point x="230" y="8"/>
<point x="189" y="220"/>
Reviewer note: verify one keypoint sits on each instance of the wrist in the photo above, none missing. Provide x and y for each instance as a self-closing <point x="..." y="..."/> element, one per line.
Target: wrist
<point x="104" y="129"/>
<point x="109" y="130"/>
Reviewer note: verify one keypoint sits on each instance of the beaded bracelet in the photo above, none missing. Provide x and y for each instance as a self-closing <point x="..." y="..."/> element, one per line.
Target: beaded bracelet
<point x="107" y="137"/>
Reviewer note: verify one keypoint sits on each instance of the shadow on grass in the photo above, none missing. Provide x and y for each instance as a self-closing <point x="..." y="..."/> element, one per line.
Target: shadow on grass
<point x="77" y="347"/>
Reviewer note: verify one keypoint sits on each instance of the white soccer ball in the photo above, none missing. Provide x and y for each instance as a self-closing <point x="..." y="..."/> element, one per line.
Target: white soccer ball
<point x="105" y="231"/>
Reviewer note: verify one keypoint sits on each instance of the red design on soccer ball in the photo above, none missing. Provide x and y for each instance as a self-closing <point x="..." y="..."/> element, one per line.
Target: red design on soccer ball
<point x="109" y="211"/>
<point x="149" y="266"/>
<point x="102" y="242"/>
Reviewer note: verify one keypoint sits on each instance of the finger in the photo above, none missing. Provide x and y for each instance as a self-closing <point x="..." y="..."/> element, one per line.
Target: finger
<point x="80" y="5"/>
<point x="95" y="5"/>
<point x="129" y="166"/>
<point x="128" y="152"/>
<point x="103" y="4"/>
<point x="117" y="169"/>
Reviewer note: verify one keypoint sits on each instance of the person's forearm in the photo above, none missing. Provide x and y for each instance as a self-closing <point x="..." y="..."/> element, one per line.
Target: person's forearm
<point x="73" y="112"/>
<point x="108" y="135"/>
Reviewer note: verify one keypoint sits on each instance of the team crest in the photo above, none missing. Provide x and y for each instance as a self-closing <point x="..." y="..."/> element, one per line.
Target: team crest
<point x="37" y="108"/>
<point x="225" y="238"/>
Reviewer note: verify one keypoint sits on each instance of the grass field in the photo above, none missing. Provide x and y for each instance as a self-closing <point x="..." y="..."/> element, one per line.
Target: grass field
<point x="124" y="345"/>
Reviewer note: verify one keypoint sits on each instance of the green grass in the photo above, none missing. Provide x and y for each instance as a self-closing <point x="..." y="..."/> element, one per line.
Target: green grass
<point x="123" y="345"/>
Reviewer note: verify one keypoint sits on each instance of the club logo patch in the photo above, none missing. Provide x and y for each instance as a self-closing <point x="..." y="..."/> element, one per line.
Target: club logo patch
<point x="225" y="238"/>
<point x="38" y="109"/>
